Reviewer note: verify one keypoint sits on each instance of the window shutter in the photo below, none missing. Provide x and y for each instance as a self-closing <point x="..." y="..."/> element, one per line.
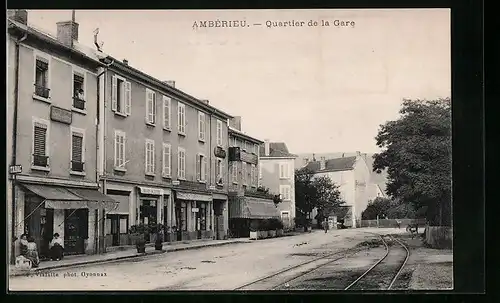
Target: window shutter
<point x="178" y="163"/>
<point x="148" y="100"/>
<point x="117" y="148"/>
<point x="166" y="112"/>
<point x="154" y="107"/>
<point x="205" y="165"/>
<point x="146" y="156"/>
<point x="198" y="167"/>
<point x="221" y="171"/>
<point x="128" y="98"/>
<point x="114" y="102"/>
<point x="123" y="139"/>
<point x="40" y="139"/>
<point x="77" y="147"/>
<point x="152" y="156"/>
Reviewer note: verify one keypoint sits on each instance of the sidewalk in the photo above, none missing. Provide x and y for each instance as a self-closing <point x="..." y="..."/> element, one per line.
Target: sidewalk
<point x="70" y="261"/>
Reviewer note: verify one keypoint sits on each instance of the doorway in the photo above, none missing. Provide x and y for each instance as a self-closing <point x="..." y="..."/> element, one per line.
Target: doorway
<point x="75" y="230"/>
<point x="115" y="230"/>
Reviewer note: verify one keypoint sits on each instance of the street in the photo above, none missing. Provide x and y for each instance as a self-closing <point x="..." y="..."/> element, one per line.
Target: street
<point x="227" y="267"/>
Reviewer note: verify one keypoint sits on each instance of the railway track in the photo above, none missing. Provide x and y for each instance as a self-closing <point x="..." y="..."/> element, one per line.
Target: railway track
<point x="380" y="275"/>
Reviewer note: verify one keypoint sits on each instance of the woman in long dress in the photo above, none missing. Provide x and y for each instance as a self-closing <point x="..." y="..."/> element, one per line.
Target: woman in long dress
<point x="32" y="253"/>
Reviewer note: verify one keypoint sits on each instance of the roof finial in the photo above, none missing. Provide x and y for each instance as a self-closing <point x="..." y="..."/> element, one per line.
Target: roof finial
<point x="73" y="15"/>
<point x="314" y="157"/>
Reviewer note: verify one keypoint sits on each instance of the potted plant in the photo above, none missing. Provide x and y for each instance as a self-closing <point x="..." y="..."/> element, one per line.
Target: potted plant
<point x="254" y="230"/>
<point x="138" y="233"/>
<point x="157" y="230"/>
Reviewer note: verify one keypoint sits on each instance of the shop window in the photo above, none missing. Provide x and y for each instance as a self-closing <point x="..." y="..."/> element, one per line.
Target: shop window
<point x="203" y="216"/>
<point x="183" y="216"/>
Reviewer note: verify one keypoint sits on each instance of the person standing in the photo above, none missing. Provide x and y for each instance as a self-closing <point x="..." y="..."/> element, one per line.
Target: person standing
<point x="325" y="225"/>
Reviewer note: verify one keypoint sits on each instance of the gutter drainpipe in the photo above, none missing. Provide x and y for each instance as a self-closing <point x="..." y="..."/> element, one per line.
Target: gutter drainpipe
<point x="14" y="144"/>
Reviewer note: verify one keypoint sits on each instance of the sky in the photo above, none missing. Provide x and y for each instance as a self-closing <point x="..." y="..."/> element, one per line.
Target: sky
<point x="316" y="88"/>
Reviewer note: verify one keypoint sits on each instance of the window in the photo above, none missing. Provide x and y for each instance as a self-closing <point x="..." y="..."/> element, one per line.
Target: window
<point x="201" y="126"/>
<point x="40" y="145"/>
<point x="243" y="173"/>
<point x="150" y="157"/>
<point x="181" y="119"/>
<point x="245" y="146"/>
<point x="181" y="163"/>
<point x="256" y="149"/>
<point x="284" y="171"/>
<point x="252" y="176"/>
<point x="285" y="218"/>
<point x="79" y="90"/>
<point x="219" y="133"/>
<point x="203" y="215"/>
<point x="234" y="171"/>
<point x="260" y="170"/>
<point x="219" y="169"/>
<point x="183" y="216"/>
<point x="119" y="150"/>
<point x="235" y="143"/>
<point x="77" y="150"/>
<point x="201" y="168"/>
<point x="285" y="192"/>
<point x="42" y="84"/>
<point x="167" y="102"/>
<point x="121" y="98"/>
<point x="167" y="160"/>
<point x="150" y="107"/>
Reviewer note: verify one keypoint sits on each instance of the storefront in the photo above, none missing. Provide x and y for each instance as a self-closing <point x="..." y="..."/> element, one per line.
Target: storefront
<point x="70" y="212"/>
<point x="149" y="207"/>
<point x="118" y="220"/>
<point x="220" y="216"/>
<point x="243" y="209"/>
<point x="193" y="216"/>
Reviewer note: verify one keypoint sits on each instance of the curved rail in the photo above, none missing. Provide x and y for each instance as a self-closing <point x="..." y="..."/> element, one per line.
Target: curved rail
<point x="403" y="265"/>
<point x="292" y="268"/>
<point x="372" y="267"/>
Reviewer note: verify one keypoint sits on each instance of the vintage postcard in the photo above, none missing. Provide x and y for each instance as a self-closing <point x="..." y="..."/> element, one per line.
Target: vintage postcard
<point x="229" y="150"/>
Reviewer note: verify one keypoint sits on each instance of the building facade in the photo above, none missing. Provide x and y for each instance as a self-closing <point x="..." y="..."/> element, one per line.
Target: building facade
<point x="277" y="172"/>
<point x="247" y="199"/>
<point x="52" y="120"/>
<point x="352" y="175"/>
<point x="162" y="155"/>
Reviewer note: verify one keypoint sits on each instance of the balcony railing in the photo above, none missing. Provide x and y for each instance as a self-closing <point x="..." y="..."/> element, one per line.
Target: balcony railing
<point x="42" y="161"/>
<point x="78" y="103"/>
<point x="77" y="166"/>
<point x="42" y="91"/>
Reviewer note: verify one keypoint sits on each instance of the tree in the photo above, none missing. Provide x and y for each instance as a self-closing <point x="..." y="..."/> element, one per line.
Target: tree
<point x="417" y="156"/>
<point x="377" y="207"/>
<point x="315" y="192"/>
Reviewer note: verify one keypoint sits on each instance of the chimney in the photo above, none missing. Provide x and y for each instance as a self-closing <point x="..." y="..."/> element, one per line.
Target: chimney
<point x="18" y="15"/>
<point x="170" y="83"/>
<point x="266" y="147"/>
<point x="235" y="122"/>
<point x="125" y="61"/>
<point x="205" y="101"/>
<point x="67" y="32"/>
<point x="322" y="163"/>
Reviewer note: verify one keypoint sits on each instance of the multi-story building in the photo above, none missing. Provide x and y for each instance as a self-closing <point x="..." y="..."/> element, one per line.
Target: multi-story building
<point x="352" y="175"/>
<point x="247" y="199"/>
<point x="52" y="97"/>
<point x="277" y="172"/>
<point x="162" y="155"/>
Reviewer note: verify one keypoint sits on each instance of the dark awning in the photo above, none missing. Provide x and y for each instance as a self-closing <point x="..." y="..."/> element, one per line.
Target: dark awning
<point x="252" y="208"/>
<point x="57" y="197"/>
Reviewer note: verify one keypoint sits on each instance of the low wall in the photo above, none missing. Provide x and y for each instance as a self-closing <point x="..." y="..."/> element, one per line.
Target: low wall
<point x="439" y="236"/>
<point x="387" y="223"/>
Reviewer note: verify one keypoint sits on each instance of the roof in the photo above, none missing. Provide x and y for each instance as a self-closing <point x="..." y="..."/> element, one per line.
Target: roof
<point x="338" y="164"/>
<point x="78" y="49"/>
<point x="276" y="150"/>
<point x="233" y="131"/>
<point x="165" y="87"/>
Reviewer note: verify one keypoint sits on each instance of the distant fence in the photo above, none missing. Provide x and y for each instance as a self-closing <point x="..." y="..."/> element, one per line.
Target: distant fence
<point x="385" y="223"/>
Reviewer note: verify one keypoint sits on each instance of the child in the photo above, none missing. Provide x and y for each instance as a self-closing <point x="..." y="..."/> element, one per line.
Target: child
<point x="56" y="247"/>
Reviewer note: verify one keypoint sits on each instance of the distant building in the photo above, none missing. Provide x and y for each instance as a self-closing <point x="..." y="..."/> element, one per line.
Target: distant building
<point x="277" y="172"/>
<point x="353" y="176"/>
<point x="247" y="202"/>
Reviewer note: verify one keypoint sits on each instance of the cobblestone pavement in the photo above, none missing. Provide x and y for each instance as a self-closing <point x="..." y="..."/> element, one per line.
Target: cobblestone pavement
<point x="211" y="268"/>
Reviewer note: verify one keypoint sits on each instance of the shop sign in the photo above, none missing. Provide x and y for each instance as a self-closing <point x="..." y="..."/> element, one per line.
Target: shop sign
<point x="61" y="115"/>
<point x="219" y="152"/>
<point x="151" y="191"/>
<point x="195" y="209"/>
<point x="15" y="169"/>
<point x="248" y="157"/>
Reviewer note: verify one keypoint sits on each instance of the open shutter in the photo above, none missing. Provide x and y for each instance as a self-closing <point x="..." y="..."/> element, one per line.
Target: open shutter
<point x="146" y="156"/>
<point x="205" y="166"/>
<point x="128" y="98"/>
<point x="148" y="101"/>
<point x="221" y="172"/>
<point x="123" y="142"/>
<point x="198" y="167"/>
<point x="178" y="163"/>
<point x="166" y="112"/>
<point x="114" y="101"/>
<point x="164" y="160"/>
<point x="153" y="156"/>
